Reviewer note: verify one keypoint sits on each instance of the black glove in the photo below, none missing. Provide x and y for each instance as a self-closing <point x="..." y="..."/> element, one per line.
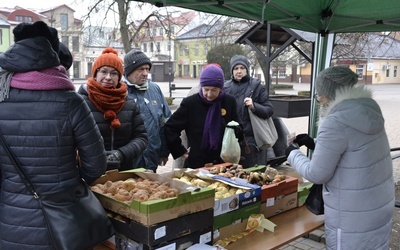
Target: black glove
<point x="114" y="159"/>
<point x="306" y="140"/>
<point x="290" y="148"/>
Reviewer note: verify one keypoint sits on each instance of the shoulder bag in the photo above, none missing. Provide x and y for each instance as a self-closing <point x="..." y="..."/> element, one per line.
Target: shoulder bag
<point x="75" y="218"/>
<point x="315" y="201"/>
<point x="264" y="131"/>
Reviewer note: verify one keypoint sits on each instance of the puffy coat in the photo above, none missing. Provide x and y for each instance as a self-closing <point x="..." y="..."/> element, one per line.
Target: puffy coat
<point x="130" y="138"/>
<point x="352" y="159"/>
<point x="155" y="111"/>
<point x="44" y="129"/>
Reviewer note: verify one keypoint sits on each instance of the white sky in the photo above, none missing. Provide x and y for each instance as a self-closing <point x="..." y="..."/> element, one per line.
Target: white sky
<point x="43" y="4"/>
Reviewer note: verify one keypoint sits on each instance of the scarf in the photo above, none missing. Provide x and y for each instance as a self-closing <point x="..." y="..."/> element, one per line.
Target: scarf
<point x="109" y="101"/>
<point x="47" y="79"/>
<point x="212" y="132"/>
<point x="5" y="82"/>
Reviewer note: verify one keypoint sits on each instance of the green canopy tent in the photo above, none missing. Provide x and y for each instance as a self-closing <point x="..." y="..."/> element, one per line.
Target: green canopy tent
<point x="323" y="17"/>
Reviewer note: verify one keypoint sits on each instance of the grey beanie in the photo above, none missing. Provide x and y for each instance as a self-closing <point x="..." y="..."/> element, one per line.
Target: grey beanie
<point x="133" y="60"/>
<point x="334" y="78"/>
<point x="242" y="60"/>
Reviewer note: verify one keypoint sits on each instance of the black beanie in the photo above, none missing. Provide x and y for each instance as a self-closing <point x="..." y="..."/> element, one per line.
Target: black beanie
<point x="133" y="60"/>
<point x="65" y="56"/>
<point x="242" y="60"/>
<point x="39" y="28"/>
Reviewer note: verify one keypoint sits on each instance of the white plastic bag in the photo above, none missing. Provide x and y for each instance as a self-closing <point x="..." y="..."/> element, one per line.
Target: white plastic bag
<point x="230" y="151"/>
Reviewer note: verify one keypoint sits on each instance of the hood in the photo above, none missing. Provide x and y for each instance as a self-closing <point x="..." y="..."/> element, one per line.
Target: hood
<point x="355" y="108"/>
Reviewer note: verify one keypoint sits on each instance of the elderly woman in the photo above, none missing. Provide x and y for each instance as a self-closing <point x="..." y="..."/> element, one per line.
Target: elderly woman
<point x="116" y="114"/>
<point x="352" y="160"/>
<point x="203" y="117"/>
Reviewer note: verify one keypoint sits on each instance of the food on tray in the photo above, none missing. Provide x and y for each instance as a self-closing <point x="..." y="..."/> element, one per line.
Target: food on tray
<point x="222" y="190"/>
<point x="138" y="189"/>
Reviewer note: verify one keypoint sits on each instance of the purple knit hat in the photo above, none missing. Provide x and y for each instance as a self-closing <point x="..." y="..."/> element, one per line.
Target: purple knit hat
<point x="212" y="75"/>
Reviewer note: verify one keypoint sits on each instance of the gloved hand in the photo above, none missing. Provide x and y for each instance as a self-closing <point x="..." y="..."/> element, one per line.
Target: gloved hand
<point x="290" y="148"/>
<point x="306" y="140"/>
<point x="114" y="159"/>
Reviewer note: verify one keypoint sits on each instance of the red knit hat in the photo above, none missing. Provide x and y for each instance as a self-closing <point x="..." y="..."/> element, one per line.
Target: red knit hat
<point x="109" y="57"/>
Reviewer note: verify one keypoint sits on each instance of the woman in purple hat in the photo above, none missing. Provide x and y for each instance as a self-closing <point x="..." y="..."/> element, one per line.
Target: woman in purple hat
<point x="203" y="117"/>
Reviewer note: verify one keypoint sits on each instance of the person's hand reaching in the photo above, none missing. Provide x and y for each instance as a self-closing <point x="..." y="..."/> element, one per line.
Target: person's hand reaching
<point x="305" y="140"/>
<point x="290" y="148"/>
<point x="114" y="159"/>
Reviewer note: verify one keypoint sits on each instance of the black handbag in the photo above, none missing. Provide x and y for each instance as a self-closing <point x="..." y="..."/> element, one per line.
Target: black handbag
<point x="75" y="218"/>
<point x="314" y="201"/>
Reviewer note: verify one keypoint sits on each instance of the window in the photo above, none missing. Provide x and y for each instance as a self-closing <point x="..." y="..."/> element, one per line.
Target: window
<point x="187" y="50"/>
<point x="172" y="30"/>
<point x="27" y="19"/>
<point x="196" y="49"/>
<point x="65" y="40"/>
<point x="144" y="47"/>
<point x="64" y="21"/>
<point x="186" y="70"/>
<point x="154" y="32"/>
<point x="394" y="71"/>
<point x="147" y="32"/>
<point x="76" y="67"/>
<point x="205" y="51"/>
<point x="161" y="31"/>
<point x="281" y="72"/>
<point x="151" y="47"/>
<point x="387" y="70"/>
<point x="360" y="71"/>
<point x="75" y="43"/>
<point x="180" y="50"/>
<point x="158" y="47"/>
<point x="169" y="46"/>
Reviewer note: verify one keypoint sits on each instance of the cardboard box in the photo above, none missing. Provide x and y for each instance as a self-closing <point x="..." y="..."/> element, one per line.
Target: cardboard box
<point x="232" y="229"/>
<point x="279" y="204"/>
<point x="285" y="187"/>
<point x="156" y="234"/>
<point x="302" y="193"/>
<point x="237" y="201"/>
<point x="190" y="200"/>
<point x="204" y="236"/>
<point x="238" y="215"/>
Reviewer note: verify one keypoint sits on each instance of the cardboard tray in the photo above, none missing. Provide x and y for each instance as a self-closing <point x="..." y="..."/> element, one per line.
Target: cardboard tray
<point x="190" y="200"/>
<point x="285" y="187"/>
<point x="166" y="231"/>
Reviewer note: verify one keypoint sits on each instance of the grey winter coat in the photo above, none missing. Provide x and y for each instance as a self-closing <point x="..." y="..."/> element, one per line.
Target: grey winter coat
<point x="352" y="159"/>
<point x="44" y="129"/>
<point x="155" y="111"/>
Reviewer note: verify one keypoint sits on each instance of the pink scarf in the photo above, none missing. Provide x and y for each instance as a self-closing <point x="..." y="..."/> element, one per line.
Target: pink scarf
<point x="47" y="79"/>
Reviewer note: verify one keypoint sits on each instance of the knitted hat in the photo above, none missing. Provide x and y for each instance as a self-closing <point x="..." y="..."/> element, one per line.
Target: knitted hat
<point x="212" y="75"/>
<point x="109" y="57"/>
<point x="65" y="56"/>
<point x="333" y="78"/>
<point x="239" y="59"/>
<point x="39" y="28"/>
<point x="133" y="60"/>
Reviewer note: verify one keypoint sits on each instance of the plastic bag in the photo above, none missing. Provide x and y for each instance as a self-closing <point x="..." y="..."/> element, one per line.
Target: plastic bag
<point x="230" y="151"/>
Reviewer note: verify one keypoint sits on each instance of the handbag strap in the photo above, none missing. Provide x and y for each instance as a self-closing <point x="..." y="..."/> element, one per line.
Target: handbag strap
<point x="24" y="177"/>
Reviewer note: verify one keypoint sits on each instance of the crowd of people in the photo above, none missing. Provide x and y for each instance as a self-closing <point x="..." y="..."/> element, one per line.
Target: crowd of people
<point x="120" y="120"/>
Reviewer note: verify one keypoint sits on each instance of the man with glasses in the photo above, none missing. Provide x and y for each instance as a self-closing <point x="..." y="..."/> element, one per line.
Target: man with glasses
<point x="153" y="107"/>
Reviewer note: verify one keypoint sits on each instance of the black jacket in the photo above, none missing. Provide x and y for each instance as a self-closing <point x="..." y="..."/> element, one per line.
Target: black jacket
<point x="190" y="116"/>
<point x="130" y="138"/>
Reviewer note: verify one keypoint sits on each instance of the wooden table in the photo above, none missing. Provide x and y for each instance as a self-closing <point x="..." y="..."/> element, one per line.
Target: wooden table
<point x="290" y="225"/>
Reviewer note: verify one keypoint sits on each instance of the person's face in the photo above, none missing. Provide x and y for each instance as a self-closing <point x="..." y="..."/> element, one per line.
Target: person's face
<point x="210" y="93"/>
<point x="107" y="77"/>
<point x="239" y="71"/>
<point x="139" y="75"/>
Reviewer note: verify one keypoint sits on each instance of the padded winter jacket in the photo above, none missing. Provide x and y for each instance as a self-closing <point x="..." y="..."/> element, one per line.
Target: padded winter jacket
<point x="45" y="129"/>
<point x="130" y="138"/>
<point x="352" y="159"/>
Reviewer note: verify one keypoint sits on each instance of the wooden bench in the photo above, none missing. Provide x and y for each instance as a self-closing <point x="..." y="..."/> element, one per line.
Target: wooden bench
<point x="290" y="225"/>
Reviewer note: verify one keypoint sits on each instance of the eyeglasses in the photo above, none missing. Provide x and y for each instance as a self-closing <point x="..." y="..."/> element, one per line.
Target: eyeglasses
<point x="316" y="97"/>
<point x="113" y="74"/>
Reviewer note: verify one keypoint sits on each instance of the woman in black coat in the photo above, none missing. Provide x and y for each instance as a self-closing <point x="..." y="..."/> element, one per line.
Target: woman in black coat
<point x="45" y="123"/>
<point x="116" y="114"/>
<point x="203" y="116"/>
